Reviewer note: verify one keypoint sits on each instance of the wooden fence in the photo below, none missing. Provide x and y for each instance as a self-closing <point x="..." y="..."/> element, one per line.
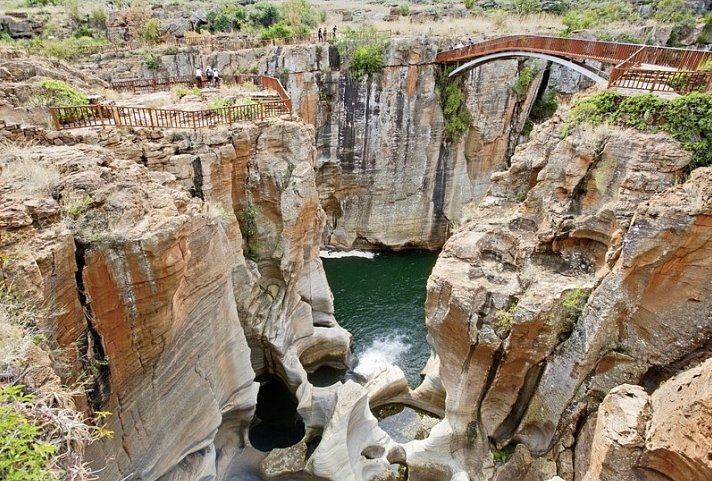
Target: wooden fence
<point x="65" y="118"/>
<point x="165" y="83"/>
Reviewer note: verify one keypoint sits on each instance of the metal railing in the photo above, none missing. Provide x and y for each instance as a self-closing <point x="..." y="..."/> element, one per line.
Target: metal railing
<point x="65" y="118"/>
<point x="164" y="83"/>
<point x="678" y="69"/>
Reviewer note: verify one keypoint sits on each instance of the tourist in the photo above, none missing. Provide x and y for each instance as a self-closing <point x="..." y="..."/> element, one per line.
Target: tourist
<point x="199" y="77"/>
<point x="470" y="43"/>
<point x="460" y="45"/>
<point x="320" y="36"/>
<point x="209" y="76"/>
<point x="334" y="37"/>
<point x="216" y="78"/>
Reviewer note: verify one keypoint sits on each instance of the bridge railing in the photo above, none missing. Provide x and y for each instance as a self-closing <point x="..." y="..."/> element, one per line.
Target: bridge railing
<point x="164" y="83"/>
<point x="65" y="118"/>
<point x="679" y="81"/>
<point x="607" y="52"/>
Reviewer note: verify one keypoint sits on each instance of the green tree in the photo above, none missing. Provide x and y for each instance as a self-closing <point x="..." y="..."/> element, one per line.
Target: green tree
<point x="264" y="15"/>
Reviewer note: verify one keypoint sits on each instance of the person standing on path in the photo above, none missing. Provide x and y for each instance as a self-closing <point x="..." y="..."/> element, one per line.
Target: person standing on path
<point x="199" y="77"/>
<point x="319" y="35"/>
<point x="334" y="29"/>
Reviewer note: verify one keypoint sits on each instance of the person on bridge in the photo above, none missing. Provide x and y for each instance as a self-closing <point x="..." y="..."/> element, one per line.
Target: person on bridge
<point x="199" y="77"/>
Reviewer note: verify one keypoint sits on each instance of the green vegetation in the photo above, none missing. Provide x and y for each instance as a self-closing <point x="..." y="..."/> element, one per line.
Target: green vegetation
<point x="362" y="51"/>
<point x="503" y="455"/>
<point x="278" y="30"/>
<point x="299" y="14"/>
<point x="150" y="31"/>
<point x="573" y="304"/>
<point x="66" y="49"/>
<point x="526" y="7"/>
<point x="58" y="93"/>
<point x="42" y="3"/>
<point x="505" y="318"/>
<point x="264" y="14"/>
<point x="622" y="349"/>
<point x="247" y="219"/>
<point x="687" y="118"/>
<point x="151" y="61"/>
<point x="469" y="4"/>
<point x="457" y="117"/>
<point x="226" y="17"/>
<point x="180" y="92"/>
<point x="404" y="9"/>
<point x="526" y="76"/>
<point x="598" y="14"/>
<point x="24" y="455"/>
<point x="544" y="107"/>
<point x="196" y="91"/>
<point x="674" y="12"/>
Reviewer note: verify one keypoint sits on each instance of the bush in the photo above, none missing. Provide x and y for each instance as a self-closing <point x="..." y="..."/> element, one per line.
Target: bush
<point x="225" y="18"/>
<point x="674" y="12"/>
<point x="299" y="14"/>
<point x="83" y="31"/>
<point x="366" y="60"/>
<point x="469" y="4"/>
<point x="151" y="61"/>
<point x="59" y="93"/>
<point x="404" y="9"/>
<point x="264" y="15"/>
<point x="544" y="107"/>
<point x="687" y="118"/>
<point x="67" y="49"/>
<point x="42" y="3"/>
<point x="97" y="18"/>
<point x="527" y="7"/>
<point x="278" y="30"/>
<point x="457" y="117"/>
<point x="150" y="31"/>
<point x="362" y="51"/>
<point x="600" y="14"/>
<point x="180" y="92"/>
<point x="526" y="76"/>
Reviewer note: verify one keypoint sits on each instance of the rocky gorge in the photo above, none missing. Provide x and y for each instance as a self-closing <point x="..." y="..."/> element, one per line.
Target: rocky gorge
<point x="568" y="312"/>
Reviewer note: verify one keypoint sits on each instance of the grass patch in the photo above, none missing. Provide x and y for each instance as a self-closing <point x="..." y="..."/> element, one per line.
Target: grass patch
<point x="362" y="51"/>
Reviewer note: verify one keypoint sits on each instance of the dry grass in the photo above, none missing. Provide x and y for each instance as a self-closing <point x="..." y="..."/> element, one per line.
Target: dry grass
<point x="22" y="167"/>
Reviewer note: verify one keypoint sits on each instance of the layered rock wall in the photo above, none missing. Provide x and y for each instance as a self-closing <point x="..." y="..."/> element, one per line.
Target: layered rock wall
<point x="537" y="308"/>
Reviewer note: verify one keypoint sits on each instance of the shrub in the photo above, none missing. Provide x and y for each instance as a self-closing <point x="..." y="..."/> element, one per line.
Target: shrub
<point x="60" y="93"/>
<point x="469" y="4"/>
<point x="299" y="14"/>
<point x="83" y="31"/>
<point x="180" y="92"/>
<point x="527" y="7"/>
<point x="457" y="117"/>
<point x="366" y="60"/>
<point x="196" y="91"/>
<point x="505" y="318"/>
<point x="322" y="16"/>
<point x="225" y="18"/>
<point x="600" y="14"/>
<point x="526" y="76"/>
<point x="66" y="49"/>
<point x="686" y="118"/>
<point x="150" y="31"/>
<point x="404" y="9"/>
<point x="362" y="51"/>
<point x="151" y="61"/>
<point x="544" y="107"/>
<point x="674" y="12"/>
<point x="42" y="3"/>
<point x="97" y="18"/>
<point x="247" y="218"/>
<point x="264" y="15"/>
<point x="278" y="30"/>
<point x="503" y="455"/>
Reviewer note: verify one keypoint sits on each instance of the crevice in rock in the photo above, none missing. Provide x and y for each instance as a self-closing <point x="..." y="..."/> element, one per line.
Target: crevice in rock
<point x="510" y="424"/>
<point x="96" y="363"/>
<point x="144" y="159"/>
<point x="197" y="189"/>
<point x="656" y="374"/>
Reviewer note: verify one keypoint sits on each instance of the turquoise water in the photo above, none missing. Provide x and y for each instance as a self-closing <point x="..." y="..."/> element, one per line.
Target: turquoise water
<point x="381" y="302"/>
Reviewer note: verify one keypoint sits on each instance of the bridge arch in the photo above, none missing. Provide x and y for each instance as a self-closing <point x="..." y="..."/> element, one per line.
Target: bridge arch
<point x="519" y="53"/>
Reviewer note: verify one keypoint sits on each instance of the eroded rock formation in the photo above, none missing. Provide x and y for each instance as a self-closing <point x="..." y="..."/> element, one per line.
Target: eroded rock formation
<point x="583" y="268"/>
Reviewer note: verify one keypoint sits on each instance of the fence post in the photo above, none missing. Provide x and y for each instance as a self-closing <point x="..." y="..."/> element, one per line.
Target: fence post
<point x="101" y="115"/>
<point x="150" y="117"/>
<point x="55" y="118"/>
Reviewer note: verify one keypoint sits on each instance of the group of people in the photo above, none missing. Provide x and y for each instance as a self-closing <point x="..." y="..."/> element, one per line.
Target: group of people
<point x="212" y="77"/>
<point x="322" y="35"/>
<point x="459" y="44"/>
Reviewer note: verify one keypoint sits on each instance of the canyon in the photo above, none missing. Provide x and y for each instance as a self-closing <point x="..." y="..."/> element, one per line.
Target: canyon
<point x="568" y="312"/>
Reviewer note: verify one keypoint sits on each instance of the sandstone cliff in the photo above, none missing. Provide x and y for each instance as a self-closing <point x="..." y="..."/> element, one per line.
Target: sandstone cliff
<point x="143" y="272"/>
<point x="386" y="175"/>
<point x="583" y="268"/>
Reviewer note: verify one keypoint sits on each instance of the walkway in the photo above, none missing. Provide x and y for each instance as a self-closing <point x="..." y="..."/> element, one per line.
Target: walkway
<point x="636" y="66"/>
<point x="103" y="116"/>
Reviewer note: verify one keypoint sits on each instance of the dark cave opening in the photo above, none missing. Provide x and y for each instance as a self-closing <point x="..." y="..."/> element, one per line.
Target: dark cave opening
<point x="278" y="425"/>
